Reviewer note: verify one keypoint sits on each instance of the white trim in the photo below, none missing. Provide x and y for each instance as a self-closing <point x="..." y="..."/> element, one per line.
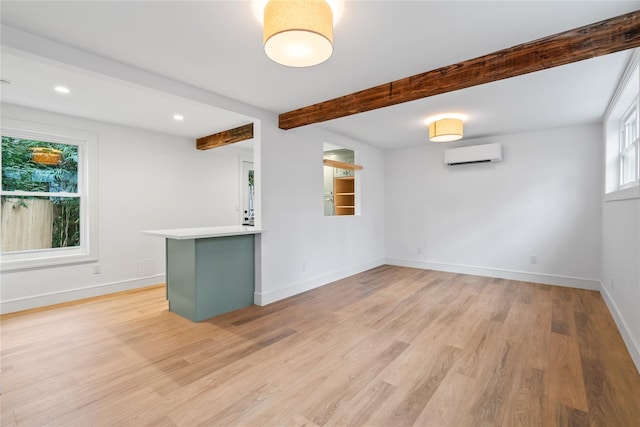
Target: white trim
<point x="87" y="143"/>
<point x="524" y="276"/>
<point x="623" y="194"/>
<point x="300" y="287"/>
<point x="42" y="300"/>
<point x="626" y="76"/>
<point x="622" y="102"/>
<point x="39" y="194"/>
<point x="632" y="345"/>
<point x="72" y="257"/>
<point x="631" y="116"/>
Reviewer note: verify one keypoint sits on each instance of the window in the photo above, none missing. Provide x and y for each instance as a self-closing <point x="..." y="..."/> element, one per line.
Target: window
<point x="622" y="137"/>
<point x="47" y="216"/>
<point x="629" y="138"/>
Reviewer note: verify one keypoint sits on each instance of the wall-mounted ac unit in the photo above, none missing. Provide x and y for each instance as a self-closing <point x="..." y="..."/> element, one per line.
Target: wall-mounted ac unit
<point x="474" y="154"/>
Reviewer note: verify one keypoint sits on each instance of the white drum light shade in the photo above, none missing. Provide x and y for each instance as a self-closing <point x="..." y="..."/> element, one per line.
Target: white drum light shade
<point x="445" y="130"/>
<point x="298" y="33"/>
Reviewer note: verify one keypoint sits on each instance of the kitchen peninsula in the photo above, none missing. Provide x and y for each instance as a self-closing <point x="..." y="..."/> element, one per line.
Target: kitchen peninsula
<point x="210" y="270"/>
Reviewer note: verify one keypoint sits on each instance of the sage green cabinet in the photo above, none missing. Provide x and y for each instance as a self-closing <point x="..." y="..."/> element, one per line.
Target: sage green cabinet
<point x="210" y="276"/>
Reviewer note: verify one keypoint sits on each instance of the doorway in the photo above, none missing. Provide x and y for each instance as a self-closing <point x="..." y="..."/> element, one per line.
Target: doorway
<point x="248" y="193"/>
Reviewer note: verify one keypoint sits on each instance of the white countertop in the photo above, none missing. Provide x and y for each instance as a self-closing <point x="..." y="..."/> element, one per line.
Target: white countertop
<point x="204" y="232"/>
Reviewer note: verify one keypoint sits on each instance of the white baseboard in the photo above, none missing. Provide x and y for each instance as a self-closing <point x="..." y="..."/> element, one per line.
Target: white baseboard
<point x="297" y="288"/>
<point x="548" y="279"/>
<point x="625" y="331"/>
<point x="42" y="300"/>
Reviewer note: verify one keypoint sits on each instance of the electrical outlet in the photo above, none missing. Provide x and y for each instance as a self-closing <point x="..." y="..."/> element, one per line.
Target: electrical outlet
<point x="533" y="259"/>
<point x="96" y="268"/>
<point x="304" y="266"/>
<point x="419" y="250"/>
<point x="613" y="284"/>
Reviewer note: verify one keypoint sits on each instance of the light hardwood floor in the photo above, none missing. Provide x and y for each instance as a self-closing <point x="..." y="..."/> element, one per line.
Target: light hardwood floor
<point x="389" y="347"/>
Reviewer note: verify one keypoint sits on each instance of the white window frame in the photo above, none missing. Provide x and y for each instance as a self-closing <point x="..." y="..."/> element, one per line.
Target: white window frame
<point x="624" y="103"/>
<point x="629" y="137"/>
<point x="87" y="144"/>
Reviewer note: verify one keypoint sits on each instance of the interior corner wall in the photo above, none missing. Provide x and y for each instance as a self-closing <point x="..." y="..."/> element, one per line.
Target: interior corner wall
<point x="146" y="181"/>
<point x="301" y="248"/>
<point x="490" y="219"/>
<point x="621" y="268"/>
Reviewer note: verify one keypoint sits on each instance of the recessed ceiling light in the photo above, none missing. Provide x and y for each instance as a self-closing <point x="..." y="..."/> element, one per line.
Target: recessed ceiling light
<point x="61" y="89"/>
<point x="178" y="117"/>
<point x="5" y="82"/>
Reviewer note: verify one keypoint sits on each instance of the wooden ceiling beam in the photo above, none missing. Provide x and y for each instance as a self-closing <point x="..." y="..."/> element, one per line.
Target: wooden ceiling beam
<point x="602" y="38"/>
<point x="225" y="137"/>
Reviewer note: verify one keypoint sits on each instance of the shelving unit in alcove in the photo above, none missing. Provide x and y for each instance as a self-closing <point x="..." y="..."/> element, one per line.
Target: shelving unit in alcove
<point x="344" y="195"/>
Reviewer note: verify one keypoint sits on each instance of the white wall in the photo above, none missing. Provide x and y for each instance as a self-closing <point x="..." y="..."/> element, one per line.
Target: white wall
<point x="488" y="219"/>
<point x="146" y="181"/>
<point x="620" y="284"/>
<point x="621" y="268"/>
<point x="302" y="248"/>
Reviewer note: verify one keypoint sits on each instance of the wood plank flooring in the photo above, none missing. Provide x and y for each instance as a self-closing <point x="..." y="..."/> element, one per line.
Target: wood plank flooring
<point x="388" y="347"/>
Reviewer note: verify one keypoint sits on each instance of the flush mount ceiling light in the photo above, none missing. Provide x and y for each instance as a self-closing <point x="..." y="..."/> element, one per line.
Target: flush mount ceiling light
<point x="178" y="117"/>
<point x="61" y="89"/>
<point x="298" y="33"/>
<point x="445" y="130"/>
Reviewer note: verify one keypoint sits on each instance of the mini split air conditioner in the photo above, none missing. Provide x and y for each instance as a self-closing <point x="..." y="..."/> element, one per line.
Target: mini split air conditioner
<point x="474" y="154"/>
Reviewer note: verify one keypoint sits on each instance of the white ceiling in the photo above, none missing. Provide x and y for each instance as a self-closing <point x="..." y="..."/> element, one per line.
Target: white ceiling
<point x="97" y="97"/>
<point x="217" y="46"/>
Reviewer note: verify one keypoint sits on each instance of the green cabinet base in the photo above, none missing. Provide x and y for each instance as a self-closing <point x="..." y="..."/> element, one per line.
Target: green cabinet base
<point x="210" y="276"/>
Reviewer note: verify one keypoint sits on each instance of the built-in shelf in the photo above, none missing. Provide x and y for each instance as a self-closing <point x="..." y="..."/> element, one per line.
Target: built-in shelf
<point x="344" y="195"/>
<point x="341" y="165"/>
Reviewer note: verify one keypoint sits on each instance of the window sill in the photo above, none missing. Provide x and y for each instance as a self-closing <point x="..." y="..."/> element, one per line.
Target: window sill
<point x="45" y="262"/>
<point x="624" y="194"/>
